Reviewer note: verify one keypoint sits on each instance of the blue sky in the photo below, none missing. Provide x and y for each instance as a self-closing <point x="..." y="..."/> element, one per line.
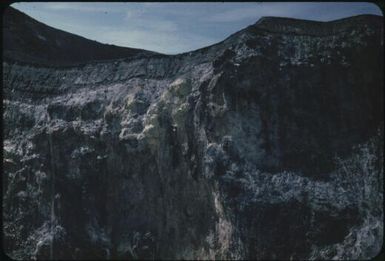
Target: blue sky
<point x="176" y="27"/>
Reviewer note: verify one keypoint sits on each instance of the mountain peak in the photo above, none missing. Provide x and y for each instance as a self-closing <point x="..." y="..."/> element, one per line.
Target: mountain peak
<point x="300" y="26"/>
<point x="28" y="40"/>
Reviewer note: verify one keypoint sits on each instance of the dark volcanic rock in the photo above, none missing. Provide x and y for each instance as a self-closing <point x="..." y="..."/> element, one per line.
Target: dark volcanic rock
<point x="267" y="145"/>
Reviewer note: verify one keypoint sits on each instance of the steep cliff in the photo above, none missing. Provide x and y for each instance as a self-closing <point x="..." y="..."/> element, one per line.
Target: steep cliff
<point x="267" y="145"/>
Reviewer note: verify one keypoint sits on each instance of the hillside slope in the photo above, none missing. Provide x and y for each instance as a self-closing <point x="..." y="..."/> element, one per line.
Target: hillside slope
<point x="27" y="40"/>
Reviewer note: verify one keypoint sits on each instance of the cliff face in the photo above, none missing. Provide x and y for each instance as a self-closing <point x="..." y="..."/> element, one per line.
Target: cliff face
<point x="266" y="145"/>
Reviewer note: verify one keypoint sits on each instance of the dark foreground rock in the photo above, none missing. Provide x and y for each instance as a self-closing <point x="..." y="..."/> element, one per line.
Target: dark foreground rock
<point x="267" y="145"/>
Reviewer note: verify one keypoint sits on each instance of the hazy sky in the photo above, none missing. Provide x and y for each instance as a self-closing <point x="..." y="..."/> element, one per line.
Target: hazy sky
<point x="175" y="27"/>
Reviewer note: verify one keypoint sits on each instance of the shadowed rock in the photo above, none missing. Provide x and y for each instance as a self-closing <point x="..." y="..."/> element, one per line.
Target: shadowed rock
<point x="267" y="145"/>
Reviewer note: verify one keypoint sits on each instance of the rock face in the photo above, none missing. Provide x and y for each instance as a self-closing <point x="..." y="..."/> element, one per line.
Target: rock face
<point x="267" y="145"/>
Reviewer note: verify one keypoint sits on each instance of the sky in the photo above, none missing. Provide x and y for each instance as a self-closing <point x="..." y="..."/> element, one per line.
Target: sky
<point x="173" y="28"/>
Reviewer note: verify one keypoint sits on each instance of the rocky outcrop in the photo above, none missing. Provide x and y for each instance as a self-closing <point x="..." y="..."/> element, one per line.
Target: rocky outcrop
<point x="267" y="145"/>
